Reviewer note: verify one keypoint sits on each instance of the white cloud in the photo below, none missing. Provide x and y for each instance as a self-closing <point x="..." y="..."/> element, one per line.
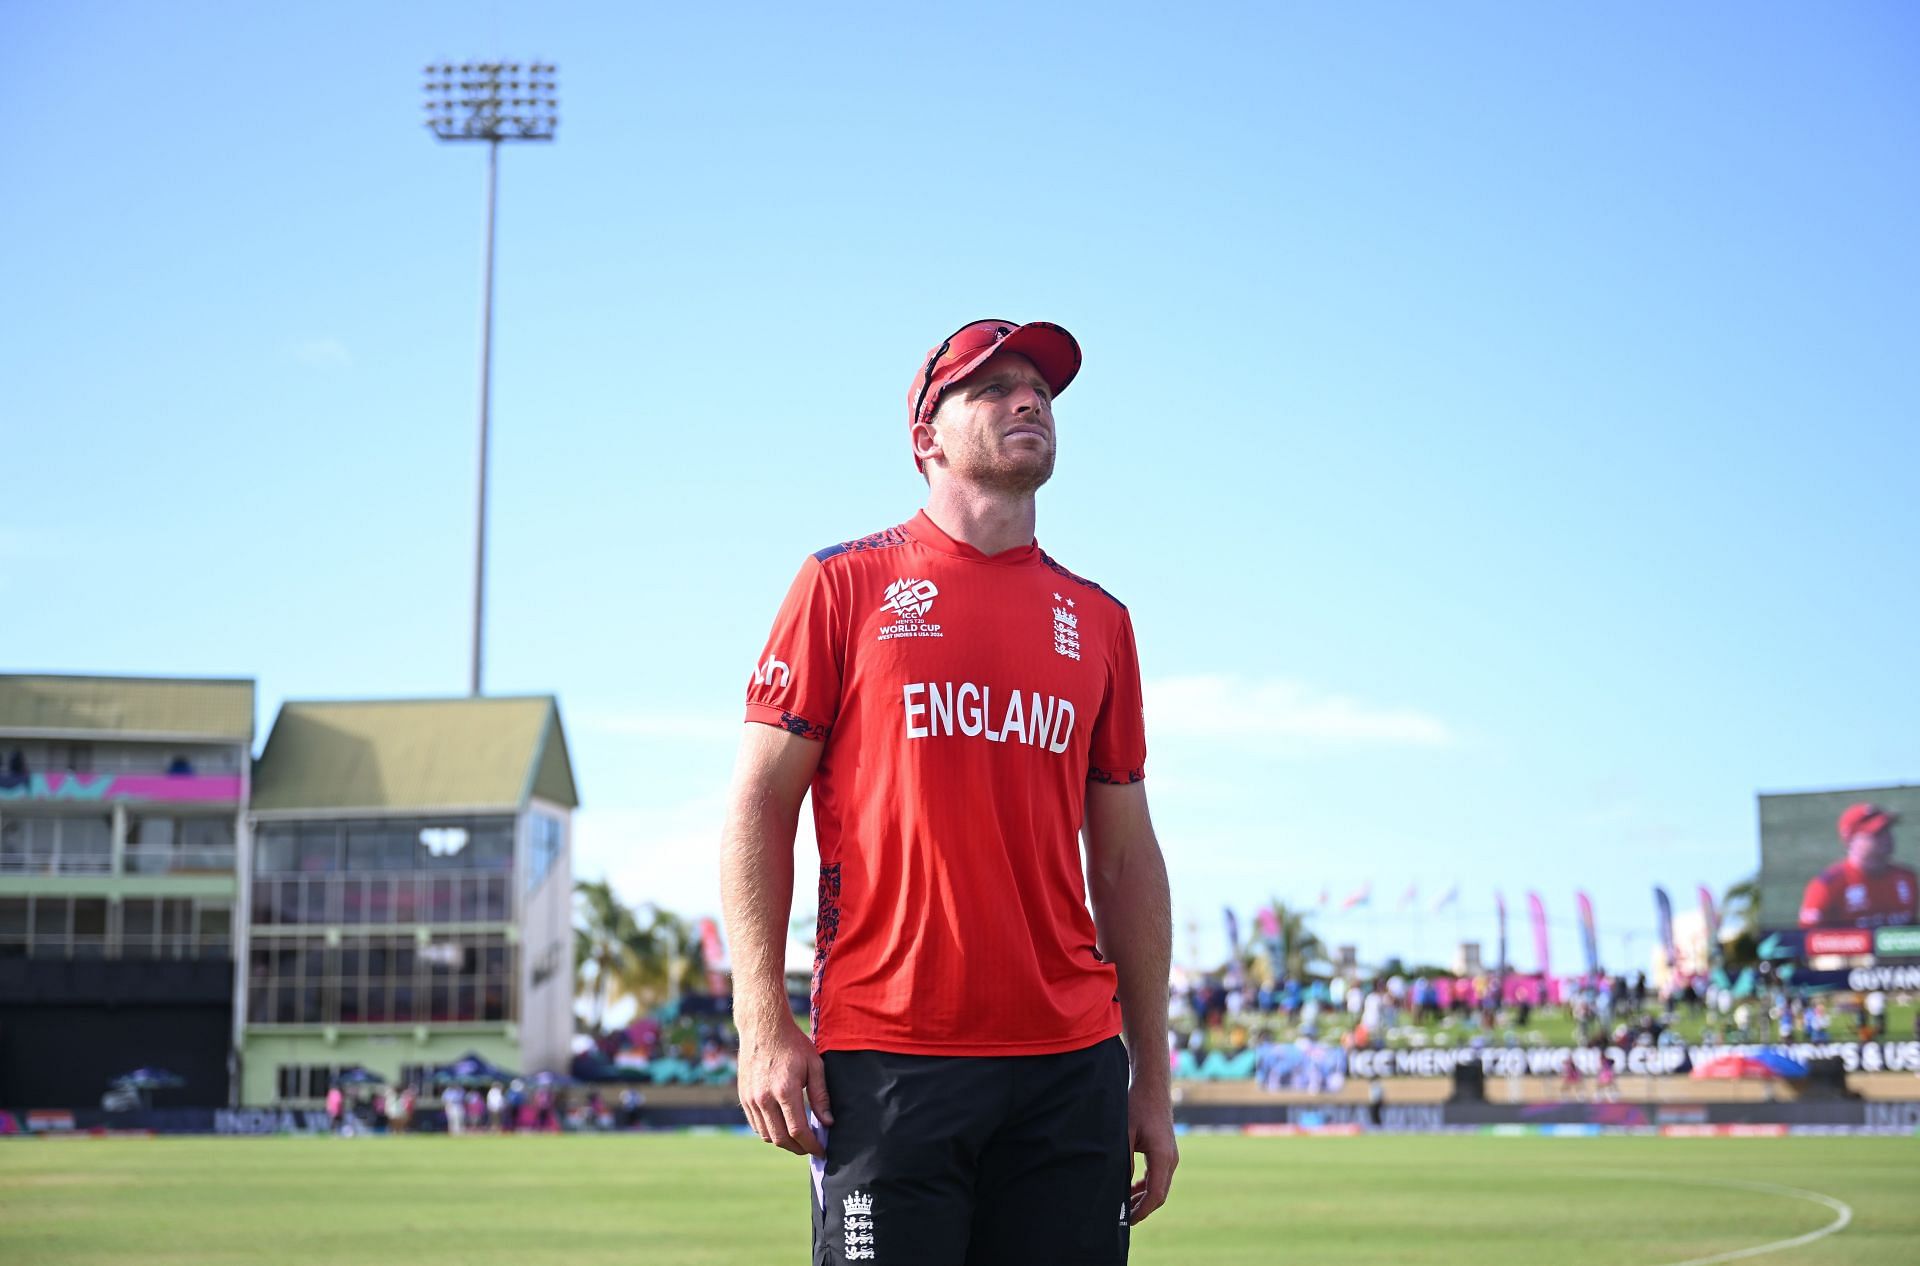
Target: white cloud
<point x="322" y="353"/>
<point x="1274" y="708"/>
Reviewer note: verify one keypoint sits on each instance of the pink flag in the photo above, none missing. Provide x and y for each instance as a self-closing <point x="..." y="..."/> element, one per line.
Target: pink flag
<point x="1538" y="909"/>
<point x="1589" y="938"/>
<point x="1411" y="895"/>
<point x="716" y="955"/>
<point x="1500" y="904"/>
<point x="1359" y="896"/>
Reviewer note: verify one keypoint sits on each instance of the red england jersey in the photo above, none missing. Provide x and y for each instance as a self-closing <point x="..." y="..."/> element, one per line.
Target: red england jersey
<point x="1844" y="896"/>
<point x="965" y="700"/>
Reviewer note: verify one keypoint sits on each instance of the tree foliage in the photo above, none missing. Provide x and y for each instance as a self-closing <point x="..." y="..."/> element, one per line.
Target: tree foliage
<point x="646" y="954"/>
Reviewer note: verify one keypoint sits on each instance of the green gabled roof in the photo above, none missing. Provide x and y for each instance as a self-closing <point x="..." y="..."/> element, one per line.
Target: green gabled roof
<point x="406" y="754"/>
<point x="174" y="707"/>
<point x="553" y="776"/>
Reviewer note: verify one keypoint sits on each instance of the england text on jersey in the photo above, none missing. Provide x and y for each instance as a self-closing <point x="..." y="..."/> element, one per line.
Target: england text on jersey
<point x="937" y="709"/>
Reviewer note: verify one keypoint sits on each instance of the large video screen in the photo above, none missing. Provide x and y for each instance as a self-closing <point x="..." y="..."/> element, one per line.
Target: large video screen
<point x="1811" y="877"/>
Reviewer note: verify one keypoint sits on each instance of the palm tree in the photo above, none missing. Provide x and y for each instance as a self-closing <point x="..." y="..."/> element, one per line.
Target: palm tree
<point x="669" y="953"/>
<point x="1741" y="906"/>
<point x="1300" y="948"/>
<point x="606" y="938"/>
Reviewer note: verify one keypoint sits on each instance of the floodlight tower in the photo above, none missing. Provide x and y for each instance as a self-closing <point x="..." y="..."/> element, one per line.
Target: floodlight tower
<point x="491" y="102"/>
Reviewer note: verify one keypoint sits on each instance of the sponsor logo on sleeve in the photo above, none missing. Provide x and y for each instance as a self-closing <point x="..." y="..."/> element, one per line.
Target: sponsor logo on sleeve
<point x="773" y="673"/>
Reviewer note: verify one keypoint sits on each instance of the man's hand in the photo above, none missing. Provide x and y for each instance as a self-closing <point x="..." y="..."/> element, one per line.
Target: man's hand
<point x="781" y="1075"/>
<point x="1150" y="1133"/>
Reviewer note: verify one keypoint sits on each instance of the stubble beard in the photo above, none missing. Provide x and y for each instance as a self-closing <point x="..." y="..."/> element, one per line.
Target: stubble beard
<point x="1020" y="475"/>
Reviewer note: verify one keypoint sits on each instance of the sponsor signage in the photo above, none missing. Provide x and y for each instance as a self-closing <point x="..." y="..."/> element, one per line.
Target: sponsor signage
<point x="1897" y="942"/>
<point x="1894" y="977"/>
<point x="106" y="788"/>
<point x="1649" y="1061"/>
<point x="1840" y="941"/>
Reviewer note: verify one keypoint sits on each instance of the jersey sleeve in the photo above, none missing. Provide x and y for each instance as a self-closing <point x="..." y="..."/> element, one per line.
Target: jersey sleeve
<point x="796" y="684"/>
<point x="1813" y="905"/>
<point x="1118" y="753"/>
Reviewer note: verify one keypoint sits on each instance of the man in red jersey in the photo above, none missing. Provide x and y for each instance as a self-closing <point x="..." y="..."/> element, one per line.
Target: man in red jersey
<point x="965" y="711"/>
<point x="1865" y="889"/>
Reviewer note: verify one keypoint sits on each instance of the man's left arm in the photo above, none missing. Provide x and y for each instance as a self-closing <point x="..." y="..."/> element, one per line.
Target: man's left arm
<point x="1133" y="914"/>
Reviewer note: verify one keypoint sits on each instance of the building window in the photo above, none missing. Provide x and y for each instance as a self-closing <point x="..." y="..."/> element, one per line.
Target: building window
<point x="175" y="927"/>
<point x="89" y="927"/>
<point x="273" y="851"/>
<point x="318" y="850"/>
<point x="168" y="845"/>
<point x="57" y="844"/>
<point x="381" y="979"/>
<point x="297" y="1082"/>
<point x="16" y="914"/>
<point x="544" y="844"/>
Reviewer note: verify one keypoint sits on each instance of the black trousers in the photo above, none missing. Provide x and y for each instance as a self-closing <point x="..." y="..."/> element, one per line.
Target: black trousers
<point x="1017" y="1160"/>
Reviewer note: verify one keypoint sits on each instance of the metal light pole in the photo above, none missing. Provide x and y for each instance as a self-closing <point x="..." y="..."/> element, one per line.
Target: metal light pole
<point x="491" y="102"/>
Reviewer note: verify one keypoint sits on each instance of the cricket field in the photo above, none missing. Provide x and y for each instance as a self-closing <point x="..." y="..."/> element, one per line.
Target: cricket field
<point x="727" y="1200"/>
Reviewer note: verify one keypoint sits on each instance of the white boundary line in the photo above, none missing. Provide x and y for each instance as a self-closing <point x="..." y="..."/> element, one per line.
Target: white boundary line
<point x="1840" y="1207"/>
<point x="1843" y="1212"/>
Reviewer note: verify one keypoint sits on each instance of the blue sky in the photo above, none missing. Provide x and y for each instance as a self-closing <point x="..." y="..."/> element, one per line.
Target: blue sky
<point x="1499" y="419"/>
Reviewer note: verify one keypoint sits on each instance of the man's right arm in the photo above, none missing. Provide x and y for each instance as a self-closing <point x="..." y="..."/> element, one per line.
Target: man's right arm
<point x="780" y="1072"/>
<point x="1813" y="904"/>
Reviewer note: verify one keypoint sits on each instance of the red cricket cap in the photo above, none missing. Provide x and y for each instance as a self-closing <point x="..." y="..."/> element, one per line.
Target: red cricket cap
<point x="1053" y="351"/>
<point x="1858" y="819"/>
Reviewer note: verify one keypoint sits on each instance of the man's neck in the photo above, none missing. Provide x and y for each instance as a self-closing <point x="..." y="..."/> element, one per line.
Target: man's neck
<point x="990" y="521"/>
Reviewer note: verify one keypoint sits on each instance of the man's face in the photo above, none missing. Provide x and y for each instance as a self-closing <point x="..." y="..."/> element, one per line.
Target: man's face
<point x="1871" y="850"/>
<point x="994" y="427"/>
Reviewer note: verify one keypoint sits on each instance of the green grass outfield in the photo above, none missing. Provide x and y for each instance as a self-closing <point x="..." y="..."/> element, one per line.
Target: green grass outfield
<point x="727" y="1200"/>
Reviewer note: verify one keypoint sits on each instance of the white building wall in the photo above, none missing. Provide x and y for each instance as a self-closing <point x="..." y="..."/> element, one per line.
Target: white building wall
<point x="546" y="947"/>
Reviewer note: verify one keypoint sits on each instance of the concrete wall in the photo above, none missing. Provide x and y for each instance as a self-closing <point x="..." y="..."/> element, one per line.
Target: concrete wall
<point x="546" y="951"/>
<point x="384" y="1053"/>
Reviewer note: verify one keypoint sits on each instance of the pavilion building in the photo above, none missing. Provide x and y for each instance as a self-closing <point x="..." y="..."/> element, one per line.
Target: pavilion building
<point x="122" y="824"/>
<point x="409" y="894"/>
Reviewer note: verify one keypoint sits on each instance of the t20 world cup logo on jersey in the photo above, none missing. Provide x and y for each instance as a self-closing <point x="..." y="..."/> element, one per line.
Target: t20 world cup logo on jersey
<point x="910" y="600"/>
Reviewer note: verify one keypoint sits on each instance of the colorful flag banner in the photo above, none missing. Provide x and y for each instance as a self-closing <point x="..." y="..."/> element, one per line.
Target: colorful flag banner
<point x="1411" y="895"/>
<point x="1663" y="905"/>
<point x="1447" y="898"/>
<point x="1589" y="937"/>
<point x="715" y="954"/>
<point x="1359" y="896"/>
<point x="1233" y="931"/>
<point x="1712" y="917"/>
<point x="1538" y="909"/>
<point x="1326" y="895"/>
<point x="1500" y="905"/>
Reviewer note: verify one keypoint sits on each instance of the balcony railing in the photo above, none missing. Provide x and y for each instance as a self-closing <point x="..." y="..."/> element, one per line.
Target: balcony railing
<point x="56" y="863"/>
<point x="140" y="861"/>
<point x="180" y="861"/>
<point x="136" y="946"/>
